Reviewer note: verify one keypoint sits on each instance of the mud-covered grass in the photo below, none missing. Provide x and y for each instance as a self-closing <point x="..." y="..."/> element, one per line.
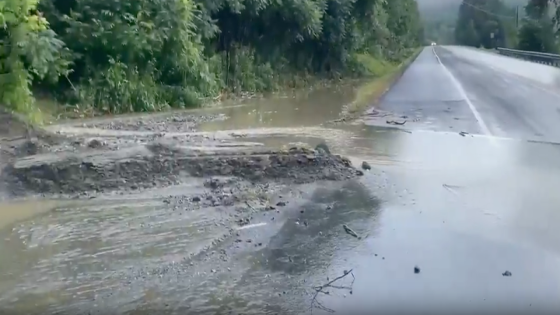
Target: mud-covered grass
<point x="370" y="92"/>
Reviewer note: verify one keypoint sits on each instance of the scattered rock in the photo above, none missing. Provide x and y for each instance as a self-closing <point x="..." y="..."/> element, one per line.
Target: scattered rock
<point x="463" y="133"/>
<point x="243" y="222"/>
<point x="416" y="269"/>
<point x="28" y="148"/>
<point x="281" y="204"/>
<point x="213" y="183"/>
<point x="94" y="144"/>
<point x="507" y="274"/>
<point x="366" y="166"/>
<point x="196" y="199"/>
<point x="322" y="148"/>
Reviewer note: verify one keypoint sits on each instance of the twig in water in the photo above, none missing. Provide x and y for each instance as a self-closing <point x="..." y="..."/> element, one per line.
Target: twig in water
<point x="393" y="122"/>
<point x="350" y="232"/>
<point x="315" y="303"/>
<point x="249" y="205"/>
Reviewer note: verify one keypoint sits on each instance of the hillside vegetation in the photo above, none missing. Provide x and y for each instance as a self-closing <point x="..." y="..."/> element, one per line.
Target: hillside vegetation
<point x="147" y="55"/>
<point x="486" y="23"/>
<point x="522" y="24"/>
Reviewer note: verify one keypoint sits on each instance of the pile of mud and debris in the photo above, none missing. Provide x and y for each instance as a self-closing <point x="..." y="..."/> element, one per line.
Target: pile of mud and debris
<point x="41" y="163"/>
<point x="52" y="165"/>
<point x="157" y="165"/>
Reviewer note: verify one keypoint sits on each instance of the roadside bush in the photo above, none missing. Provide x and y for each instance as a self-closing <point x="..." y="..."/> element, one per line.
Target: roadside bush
<point x="149" y="55"/>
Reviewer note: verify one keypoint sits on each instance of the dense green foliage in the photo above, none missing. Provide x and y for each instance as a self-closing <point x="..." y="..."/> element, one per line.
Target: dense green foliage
<point x="540" y="26"/>
<point x="486" y="23"/>
<point x="142" y="55"/>
<point x="29" y="51"/>
<point x="523" y="24"/>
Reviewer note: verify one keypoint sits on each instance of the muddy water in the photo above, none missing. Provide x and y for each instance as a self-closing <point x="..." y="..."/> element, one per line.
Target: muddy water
<point x="11" y="212"/>
<point x="300" y="109"/>
<point x="61" y="256"/>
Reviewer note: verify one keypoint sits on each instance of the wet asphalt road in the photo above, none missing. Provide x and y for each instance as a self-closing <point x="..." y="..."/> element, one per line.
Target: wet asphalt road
<point x="462" y="209"/>
<point x="462" y="89"/>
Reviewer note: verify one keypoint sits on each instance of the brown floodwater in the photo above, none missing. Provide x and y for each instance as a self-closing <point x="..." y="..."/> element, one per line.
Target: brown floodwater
<point x="48" y="247"/>
<point x="11" y="212"/>
<point x="301" y="109"/>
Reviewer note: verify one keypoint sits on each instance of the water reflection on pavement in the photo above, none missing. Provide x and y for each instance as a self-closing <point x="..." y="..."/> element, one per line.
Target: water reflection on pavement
<point x="464" y="210"/>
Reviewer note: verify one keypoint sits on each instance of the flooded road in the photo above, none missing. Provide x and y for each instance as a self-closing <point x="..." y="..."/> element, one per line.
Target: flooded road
<point x="476" y="214"/>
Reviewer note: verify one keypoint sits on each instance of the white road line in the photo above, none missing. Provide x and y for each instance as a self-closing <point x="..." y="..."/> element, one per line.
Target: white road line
<point x="473" y="109"/>
<point x="250" y="226"/>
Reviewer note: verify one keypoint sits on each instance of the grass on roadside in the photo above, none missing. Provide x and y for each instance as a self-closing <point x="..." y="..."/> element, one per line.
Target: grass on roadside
<point x="385" y="74"/>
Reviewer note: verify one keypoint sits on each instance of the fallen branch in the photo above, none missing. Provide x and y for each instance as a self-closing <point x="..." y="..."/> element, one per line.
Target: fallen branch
<point x="349" y="231"/>
<point x="315" y="303"/>
<point x="394" y="122"/>
<point x="249" y="205"/>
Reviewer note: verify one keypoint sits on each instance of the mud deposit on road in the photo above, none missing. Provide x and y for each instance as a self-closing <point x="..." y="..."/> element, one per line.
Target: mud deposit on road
<point x="135" y="205"/>
<point x="75" y="165"/>
<point x="167" y="123"/>
<point x="161" y="165"/>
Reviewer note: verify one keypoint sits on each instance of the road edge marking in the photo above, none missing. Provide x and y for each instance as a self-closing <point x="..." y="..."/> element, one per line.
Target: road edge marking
<point x="463" y="93"/>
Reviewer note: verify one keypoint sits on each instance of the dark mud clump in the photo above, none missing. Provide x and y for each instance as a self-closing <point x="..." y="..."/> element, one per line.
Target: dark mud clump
<point x="152" y="166"/>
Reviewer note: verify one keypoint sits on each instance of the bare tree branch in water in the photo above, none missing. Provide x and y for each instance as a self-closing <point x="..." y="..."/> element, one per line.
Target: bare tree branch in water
<point x="315" y="303"/>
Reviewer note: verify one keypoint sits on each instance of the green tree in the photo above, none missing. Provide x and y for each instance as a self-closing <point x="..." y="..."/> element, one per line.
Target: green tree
<point x="147" y="55"/>
<point x="141" y="53"/>
<point x="28" y="50"/>
<point x="492" y="21"/>
<point x="469" y="35"/>
<point x="540" y="27"/>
